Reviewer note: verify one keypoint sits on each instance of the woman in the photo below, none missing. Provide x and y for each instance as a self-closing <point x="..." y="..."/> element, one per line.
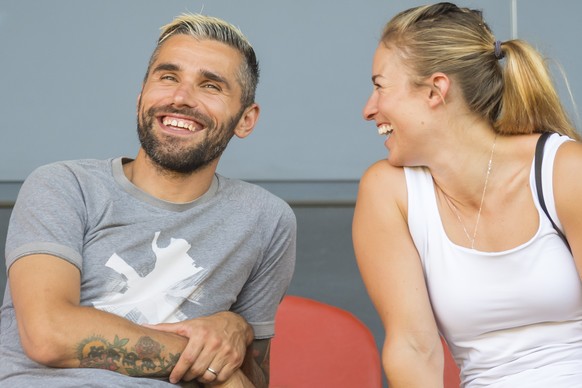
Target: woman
<point x="448" y="231"/>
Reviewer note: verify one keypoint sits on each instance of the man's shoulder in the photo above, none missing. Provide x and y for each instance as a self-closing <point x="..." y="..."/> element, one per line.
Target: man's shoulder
<point x="251" y="194"/>
<point x="242" y="187"/>
<point x="74" y="166"/>
<point x="70" y="173"/>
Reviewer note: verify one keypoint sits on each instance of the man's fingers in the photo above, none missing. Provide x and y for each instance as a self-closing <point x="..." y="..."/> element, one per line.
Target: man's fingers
<point x="211" y="359"/>
<point x="183" y="368"/>
<point x="217" y="342"/>
<point x="167" y="327"/>
<point x="208" y="375"/>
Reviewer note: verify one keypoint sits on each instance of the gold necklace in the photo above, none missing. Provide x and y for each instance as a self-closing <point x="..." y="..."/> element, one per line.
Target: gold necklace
<point x="456" y="210"/>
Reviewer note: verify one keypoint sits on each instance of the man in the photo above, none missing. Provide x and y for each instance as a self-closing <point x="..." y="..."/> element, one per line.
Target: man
<point x="156" y="270"/>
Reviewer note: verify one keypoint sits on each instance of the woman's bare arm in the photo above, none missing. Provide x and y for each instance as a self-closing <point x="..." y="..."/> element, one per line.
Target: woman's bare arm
<point x="391" y="269"/>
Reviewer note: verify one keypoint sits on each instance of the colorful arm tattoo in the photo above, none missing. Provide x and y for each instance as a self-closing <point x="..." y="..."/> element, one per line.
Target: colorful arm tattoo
<point x="145" y="358"/>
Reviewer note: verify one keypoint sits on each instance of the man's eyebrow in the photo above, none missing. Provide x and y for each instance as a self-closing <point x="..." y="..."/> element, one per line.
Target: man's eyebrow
<point x="216" y="78"/>
<point x="166" y="67"/>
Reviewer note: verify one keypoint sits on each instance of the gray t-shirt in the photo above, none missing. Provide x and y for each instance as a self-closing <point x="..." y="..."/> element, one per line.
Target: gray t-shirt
<point x="145" y="259"/>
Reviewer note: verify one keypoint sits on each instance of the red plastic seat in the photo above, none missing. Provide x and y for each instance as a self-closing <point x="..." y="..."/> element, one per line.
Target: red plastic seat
<point x="452" y="378"/>
<point x="319" y="345"/>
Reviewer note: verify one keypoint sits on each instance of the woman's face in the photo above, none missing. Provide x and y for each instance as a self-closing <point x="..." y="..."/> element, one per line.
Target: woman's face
<point x="399" y="107"/>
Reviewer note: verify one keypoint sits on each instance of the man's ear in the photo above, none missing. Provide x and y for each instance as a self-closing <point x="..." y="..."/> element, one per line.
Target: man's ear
<point x="439" y="88"/>
<point x="138" y="102"/>
<point x="247" y="121"/>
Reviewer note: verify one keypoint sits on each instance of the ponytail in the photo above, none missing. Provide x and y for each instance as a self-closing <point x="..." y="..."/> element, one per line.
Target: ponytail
<point x="530" y="102"/>
<point x="505" y="83"/>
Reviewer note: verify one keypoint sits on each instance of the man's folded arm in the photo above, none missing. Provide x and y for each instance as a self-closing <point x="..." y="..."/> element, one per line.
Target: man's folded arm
<point x="56" y="331"/>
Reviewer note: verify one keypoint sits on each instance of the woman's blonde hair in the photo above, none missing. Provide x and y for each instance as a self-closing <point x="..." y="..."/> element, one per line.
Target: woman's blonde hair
<point x="506" y="83"/>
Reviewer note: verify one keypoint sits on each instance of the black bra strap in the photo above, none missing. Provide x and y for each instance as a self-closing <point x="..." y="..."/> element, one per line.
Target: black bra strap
<point x="538" y="178"/>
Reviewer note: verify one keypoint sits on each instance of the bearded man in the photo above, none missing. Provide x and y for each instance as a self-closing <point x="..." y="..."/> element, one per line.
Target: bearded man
<point x="155" y="270"/>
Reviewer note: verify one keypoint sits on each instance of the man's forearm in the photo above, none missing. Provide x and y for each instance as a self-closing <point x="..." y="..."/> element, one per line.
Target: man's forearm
<point x="97" y="339"/>
<point x="56" y="331"/>
<point x="256" y="376"/>
<point x="254" y="372"/>
<point x="141" y="356"/>
<point x="256" y="366"/>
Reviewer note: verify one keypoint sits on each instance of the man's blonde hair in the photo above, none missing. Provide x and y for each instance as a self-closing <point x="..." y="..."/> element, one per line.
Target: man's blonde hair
<point x="204" y="27"/>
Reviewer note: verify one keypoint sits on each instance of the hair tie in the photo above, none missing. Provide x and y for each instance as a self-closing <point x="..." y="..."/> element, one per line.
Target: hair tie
<point x="499" y="54"/>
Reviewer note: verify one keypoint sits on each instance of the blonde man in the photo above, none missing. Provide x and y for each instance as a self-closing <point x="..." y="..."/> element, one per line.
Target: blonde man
<point x="156" y="267"/>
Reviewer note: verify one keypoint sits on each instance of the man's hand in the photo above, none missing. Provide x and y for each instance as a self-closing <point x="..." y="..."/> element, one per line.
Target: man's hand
<point x="218" y="342"/>
<point x="254" y="372"/>
<point x="237" y="380"/>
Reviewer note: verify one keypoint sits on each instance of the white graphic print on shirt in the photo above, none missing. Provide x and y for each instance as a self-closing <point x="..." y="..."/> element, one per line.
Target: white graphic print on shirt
<point x="156" y="297"/>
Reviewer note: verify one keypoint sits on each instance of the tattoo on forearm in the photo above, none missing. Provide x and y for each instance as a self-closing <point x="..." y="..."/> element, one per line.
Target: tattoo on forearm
<point x="258" y="371"/>
<point x="145" y="358"/>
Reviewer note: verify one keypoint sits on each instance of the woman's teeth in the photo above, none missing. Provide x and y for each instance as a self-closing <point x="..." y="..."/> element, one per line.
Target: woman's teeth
<point x="385" y="129"/>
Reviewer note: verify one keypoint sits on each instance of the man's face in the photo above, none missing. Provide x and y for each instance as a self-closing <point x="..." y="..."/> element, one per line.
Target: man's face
<point x="189" y="106"/>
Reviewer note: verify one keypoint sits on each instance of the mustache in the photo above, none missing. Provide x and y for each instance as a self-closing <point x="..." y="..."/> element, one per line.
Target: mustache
<point x="193" y="113"/>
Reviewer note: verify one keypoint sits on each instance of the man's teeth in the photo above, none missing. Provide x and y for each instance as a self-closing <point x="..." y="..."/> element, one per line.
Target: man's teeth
<point x="179" y="124"/>
<point x="385" y="129"/>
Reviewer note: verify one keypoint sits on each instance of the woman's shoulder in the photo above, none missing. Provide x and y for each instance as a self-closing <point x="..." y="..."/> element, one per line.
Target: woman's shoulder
<point x="568" y="161"/>
<point x="383" y="174"/>
<point x="383" y="171"/>
<point x="383" y="181"/>
<point x="567" y="164"/>
<point x="569" y="150"/>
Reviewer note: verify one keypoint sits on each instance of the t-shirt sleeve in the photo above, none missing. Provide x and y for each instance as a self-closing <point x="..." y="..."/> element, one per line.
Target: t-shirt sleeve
<point x="262" y="293"/>
<point x="48" y="217"/>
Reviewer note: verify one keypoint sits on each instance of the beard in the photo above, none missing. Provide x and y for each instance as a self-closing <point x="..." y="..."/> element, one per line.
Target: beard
<point x="173" y="154"/>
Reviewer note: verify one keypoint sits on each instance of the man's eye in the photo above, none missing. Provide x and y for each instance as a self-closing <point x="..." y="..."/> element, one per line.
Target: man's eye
<point x="168" y="77"/>
<point x="212" y="86"/>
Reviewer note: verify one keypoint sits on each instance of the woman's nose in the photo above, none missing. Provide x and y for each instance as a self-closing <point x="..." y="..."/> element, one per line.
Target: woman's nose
<point x="370" y="109"/>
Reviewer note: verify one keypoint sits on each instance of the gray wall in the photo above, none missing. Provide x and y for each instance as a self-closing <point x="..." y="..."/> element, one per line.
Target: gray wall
<point x="71" y="71"/>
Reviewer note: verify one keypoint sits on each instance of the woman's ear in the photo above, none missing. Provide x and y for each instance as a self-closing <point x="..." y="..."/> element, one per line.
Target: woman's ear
<point x="439" y="88"/>
<point x="247" y="121"/>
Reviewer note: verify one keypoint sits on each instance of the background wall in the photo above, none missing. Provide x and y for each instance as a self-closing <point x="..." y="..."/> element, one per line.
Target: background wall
<point x="71" y="71"/>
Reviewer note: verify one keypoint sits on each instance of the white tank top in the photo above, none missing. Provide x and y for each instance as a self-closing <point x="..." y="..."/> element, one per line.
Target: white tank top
<point x="511" y="318"/>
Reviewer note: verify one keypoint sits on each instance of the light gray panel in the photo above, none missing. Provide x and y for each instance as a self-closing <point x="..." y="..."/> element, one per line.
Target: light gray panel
<point x="72" y="69"/>
<point x="553" y="27"/>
